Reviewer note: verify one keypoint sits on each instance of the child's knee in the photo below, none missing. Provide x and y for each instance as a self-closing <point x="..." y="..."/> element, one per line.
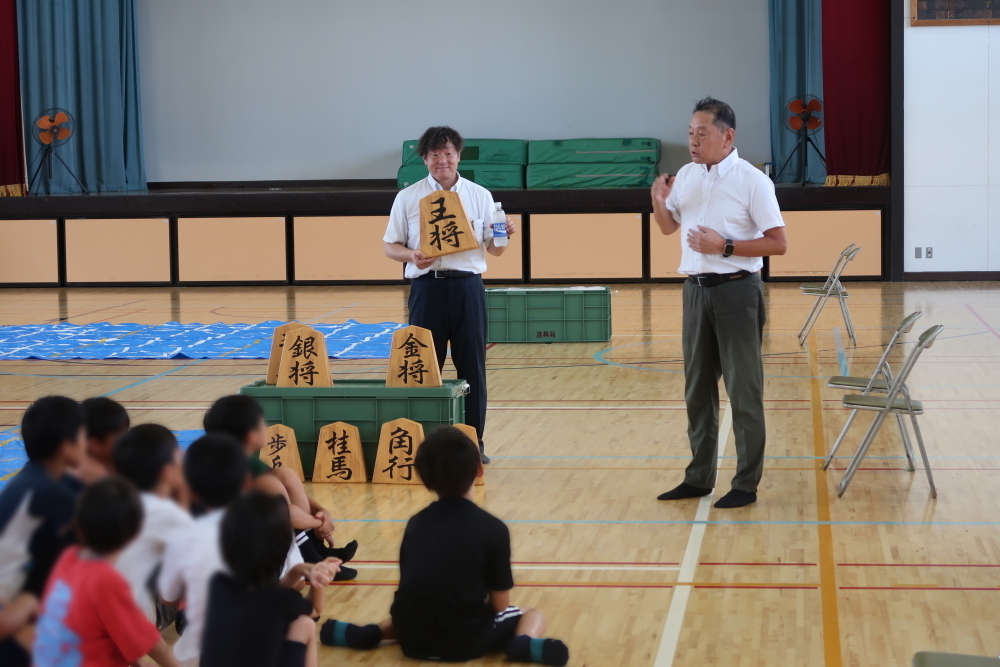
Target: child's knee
<point x="271" y="485"/>
<point x="301" y="630"/>
<point x="288" y="478"/>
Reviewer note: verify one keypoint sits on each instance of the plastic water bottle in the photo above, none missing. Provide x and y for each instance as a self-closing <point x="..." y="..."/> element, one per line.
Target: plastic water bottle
<point x="499" y="227"/>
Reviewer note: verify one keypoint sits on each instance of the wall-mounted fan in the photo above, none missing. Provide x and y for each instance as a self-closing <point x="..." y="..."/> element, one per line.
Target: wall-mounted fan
<point x="804" y="117"/>
<point x="53" y="128"/>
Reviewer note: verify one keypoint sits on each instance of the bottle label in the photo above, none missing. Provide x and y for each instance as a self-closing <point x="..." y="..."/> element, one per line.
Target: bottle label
<point x="499" y="229"/>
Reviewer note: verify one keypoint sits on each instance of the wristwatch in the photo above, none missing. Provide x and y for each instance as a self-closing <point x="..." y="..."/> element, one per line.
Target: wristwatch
<point x="729" y="249"/>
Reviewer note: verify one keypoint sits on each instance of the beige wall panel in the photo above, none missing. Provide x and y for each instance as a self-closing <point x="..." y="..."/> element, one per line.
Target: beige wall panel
<point x="816" y="238"/>
<point x="221" y="249"/>
<point x="127" y="251"/>
<point x="28" y="252"/>
<point x="578" y="246"/>
<point x="343" y="248"/>
<point x="508" y="265"/>
<point x="664" y="253"/>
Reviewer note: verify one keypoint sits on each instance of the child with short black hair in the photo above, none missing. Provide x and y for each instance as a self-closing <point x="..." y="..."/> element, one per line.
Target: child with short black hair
<point x="88" y="615"/>
<point x="453" y="600"/>
<point x="106" y="421"/>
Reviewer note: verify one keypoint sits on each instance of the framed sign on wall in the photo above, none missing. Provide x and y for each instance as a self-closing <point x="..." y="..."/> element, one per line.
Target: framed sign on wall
<point x="954" y="12"/>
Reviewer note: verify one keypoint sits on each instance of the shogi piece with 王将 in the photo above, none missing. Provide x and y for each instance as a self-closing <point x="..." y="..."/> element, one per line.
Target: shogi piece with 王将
<point x="303" y="360"/>
<point x="470" y="431"/>
<point x="282" y="450"/>
<point x="444" y="227"/>
<point x="413" y="359"/>
<point x="339" y="457"/>
<point x="277" y="344"/>
<point x="397" y="452"/>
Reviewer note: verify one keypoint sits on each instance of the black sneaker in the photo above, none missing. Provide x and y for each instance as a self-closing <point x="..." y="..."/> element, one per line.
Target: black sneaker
<point x="346" y="574"/>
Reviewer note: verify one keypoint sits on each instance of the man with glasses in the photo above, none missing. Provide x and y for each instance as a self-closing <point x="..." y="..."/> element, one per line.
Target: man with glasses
<point x="446" y="293"/>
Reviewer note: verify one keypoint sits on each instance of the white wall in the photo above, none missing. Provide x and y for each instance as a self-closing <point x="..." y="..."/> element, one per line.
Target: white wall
<point x="302" y="89"/>
<point x="952" y="147"/>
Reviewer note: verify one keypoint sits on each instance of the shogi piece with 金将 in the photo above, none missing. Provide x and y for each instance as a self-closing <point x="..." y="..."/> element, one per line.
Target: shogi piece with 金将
<point x="303" y="360"/>
<point x="474" y="437"/>
<point x="444" y="227"/>
<point x="339" y="457"/>
<point x="277" y="345"/>
<point x="397" y="452"/>
<point x="413" y="359"/>
<point x="282" y="450"/>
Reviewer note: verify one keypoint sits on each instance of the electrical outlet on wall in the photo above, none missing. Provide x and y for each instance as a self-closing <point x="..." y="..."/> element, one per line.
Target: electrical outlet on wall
<point x="929" y="253"/>
<point x="918" y="252"/>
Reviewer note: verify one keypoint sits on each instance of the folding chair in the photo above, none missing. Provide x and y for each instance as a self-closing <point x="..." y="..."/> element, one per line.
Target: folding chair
<point x="831" y="288"/>
<point x="897" y="400"/>
<point x="930" y="659"/>
<point x="874" y="384"/>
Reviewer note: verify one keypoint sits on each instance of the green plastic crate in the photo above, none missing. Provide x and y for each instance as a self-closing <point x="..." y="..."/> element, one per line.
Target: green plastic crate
<point x="603" y="151"/>
<point x="366" y="404"/>
<point x="492" y="176"/>
<point x="496" y="151"/>
<point x="563" y="176"/>
<point x="548" y="315"/>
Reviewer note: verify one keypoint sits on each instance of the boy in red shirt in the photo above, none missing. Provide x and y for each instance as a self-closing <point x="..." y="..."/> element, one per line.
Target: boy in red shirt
<point x="88" y="615"/>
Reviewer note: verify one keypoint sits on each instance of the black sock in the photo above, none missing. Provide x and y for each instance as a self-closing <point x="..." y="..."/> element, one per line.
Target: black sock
<point x="542" y="651"/>
<point x="338" y="633"/>
<point x="307" y="547"/>
<point x="685" y="490"/>
<point x="736" y="498"/>
<point x="344" y="553"/>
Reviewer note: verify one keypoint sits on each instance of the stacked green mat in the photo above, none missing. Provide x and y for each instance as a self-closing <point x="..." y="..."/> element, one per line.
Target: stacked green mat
<point x="592" y="163"/>
<point x="492" y="163"/>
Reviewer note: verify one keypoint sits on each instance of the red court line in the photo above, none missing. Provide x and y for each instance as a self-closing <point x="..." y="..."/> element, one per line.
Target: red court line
<point x="917" y="565"/>
<point x="792" y="564"/>
<point x="616" y="586"/>
<point x="985" y="323"/>
<point x="538" y="562"/>
<point x="919" y="588"/>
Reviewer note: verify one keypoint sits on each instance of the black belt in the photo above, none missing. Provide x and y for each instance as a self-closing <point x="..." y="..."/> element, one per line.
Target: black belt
<point x="713" y="279"/>
<point x="449" y="274"/>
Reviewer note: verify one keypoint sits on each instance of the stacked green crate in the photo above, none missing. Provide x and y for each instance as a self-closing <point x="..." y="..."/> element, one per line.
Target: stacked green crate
<point x="593" y="163"/>
<point x="492" y="163"/>
<point x="548" y="315"/>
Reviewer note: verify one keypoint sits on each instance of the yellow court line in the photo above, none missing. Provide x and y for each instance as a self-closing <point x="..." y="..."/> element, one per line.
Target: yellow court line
<point x="827" y="565"/>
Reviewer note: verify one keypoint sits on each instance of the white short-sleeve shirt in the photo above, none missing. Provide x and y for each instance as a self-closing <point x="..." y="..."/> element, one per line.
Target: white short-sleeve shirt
<point x="404" y="224"/>
<point x="735" y="199"/>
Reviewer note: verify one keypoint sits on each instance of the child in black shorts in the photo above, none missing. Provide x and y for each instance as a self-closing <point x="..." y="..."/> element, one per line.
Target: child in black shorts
<point x="453" y="600"/>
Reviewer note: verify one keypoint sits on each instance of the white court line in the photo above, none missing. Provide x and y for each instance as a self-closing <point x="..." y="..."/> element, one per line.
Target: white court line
<point x="612" y="568"/>
<point x="599" y="407"/>
<point x="671" y="634"/>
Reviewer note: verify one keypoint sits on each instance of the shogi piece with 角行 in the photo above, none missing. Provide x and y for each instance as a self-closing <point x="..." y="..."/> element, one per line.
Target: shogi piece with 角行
<point x="397" y="452"/>
<point x="413" y="359"/>
<point x="444" y="227"/>
<point x="470" y="431"/>
<point x="282" y="450"/>
<point x="303" y="360"/>
<point x="277" y="344"/>
<point x="339" y="457"/>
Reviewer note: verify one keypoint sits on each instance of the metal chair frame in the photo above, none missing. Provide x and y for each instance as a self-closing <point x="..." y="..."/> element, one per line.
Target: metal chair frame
<point x="832" y="287"/>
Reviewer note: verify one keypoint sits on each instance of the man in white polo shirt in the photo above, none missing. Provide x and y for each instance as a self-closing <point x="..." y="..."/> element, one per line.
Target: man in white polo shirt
<point x="446" y="293"/>
<point x="729" y="220"/>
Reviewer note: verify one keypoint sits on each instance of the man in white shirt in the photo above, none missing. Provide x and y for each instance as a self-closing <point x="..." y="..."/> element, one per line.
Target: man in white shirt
<point x="729" y="218"/>
<point x="446" y="293"/>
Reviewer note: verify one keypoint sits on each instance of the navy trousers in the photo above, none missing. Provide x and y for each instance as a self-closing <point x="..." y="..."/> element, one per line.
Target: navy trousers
<point x="454" y="310"/>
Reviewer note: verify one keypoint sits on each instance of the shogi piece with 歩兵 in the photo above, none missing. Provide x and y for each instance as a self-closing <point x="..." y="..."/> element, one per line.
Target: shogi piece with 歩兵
<point x="397" y="452"/>
<point x="444" y="227"/>
<point x="282" y="450"/>
<point x="339" y="457"/>
<point x="470" y="431"/>
<point x="413" y="359"/>
<point x="303" y="360"/>
<point x="277" y="345"/>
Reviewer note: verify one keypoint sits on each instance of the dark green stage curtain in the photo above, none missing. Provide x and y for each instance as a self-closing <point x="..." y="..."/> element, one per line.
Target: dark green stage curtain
<point x="82" y="56"/>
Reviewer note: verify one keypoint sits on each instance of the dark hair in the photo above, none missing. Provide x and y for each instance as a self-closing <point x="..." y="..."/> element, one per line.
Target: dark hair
<point x="256" y="535"/>
<point x="104" y="417"/>
<point x="722" y="114"/>
<point x="48" y="423"/>
<point x="234" y="415"/>
<point x="447" y="462"/>
<point x="436" y="138"/>
<point x="216" y="467"/>
<point x="108" y="515"/>
<point x="141" y="454"/>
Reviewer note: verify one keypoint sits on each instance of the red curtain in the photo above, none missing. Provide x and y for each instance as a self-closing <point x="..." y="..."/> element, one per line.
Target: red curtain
<point x="856" y="91"/>
<point x="11" y="135"/>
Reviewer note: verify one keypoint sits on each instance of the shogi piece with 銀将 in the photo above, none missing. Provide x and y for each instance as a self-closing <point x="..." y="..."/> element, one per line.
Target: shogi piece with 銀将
<point x="413" y="359"/>
<point x="303" y="360"/>
<point x="470" y="431"/>
<point x="397" y="452"/>
<point x="282" y="450"/>
<point x="339" y="457"/>
<point x="277" y="344"/>
<point x="444" y="227"/>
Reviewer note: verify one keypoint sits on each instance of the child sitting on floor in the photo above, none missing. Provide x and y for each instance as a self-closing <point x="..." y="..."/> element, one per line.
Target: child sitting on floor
<point x="106" y="421"/>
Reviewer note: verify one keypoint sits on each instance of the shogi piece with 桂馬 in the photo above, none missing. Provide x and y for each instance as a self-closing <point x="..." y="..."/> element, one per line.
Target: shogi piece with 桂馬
<point x="397" y="452"/>
<point x="303" y="360"/>
<point x="413" y="359"/>
<point x="444" y="227"/>
<point x="339" y="457"/>
<point x="470" y="431"/>
<point x="277" y="345"/>
<point x="282" y="450"/>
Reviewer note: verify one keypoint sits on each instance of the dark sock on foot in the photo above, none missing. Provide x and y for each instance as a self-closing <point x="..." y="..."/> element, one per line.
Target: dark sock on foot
<point x="542" y="651"/>
<point x="685" y="490"/>
<point x="346" y="574"/>
<point x="308" y="547"/>
<point x="344" y="553"/>
<point x="338" y="633"/>
<point x="736" y="498"/>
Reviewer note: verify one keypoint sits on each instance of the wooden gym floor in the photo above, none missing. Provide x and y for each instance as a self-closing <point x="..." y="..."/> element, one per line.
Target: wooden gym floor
<point x="583" y="438"/>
